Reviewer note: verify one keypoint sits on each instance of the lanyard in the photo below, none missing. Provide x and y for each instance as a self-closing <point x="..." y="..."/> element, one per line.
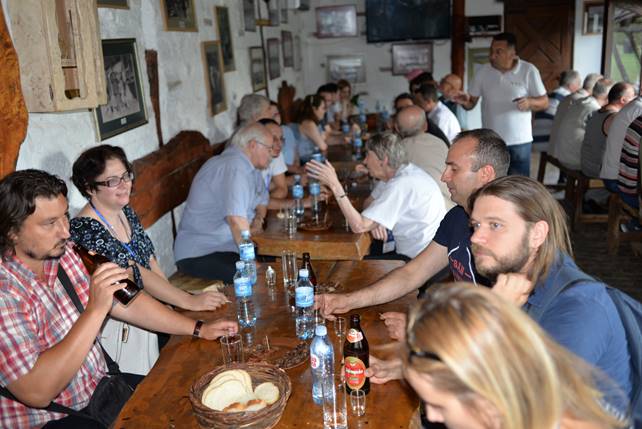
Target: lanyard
<point x="125" y="245"/>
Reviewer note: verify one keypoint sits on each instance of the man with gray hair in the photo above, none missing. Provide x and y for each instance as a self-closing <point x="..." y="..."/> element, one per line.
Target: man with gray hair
<point x="227" y="196"/>
<point x="424" y="150"/>
<point x="252" y="108"/>
<point x="568" y="148"/>
<point x="407" y="201"/>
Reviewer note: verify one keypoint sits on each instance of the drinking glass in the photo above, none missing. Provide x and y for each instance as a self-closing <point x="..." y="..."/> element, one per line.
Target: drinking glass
<point x="232" y="348"/>
<point x="290" y="223"/>
<point x="340" y="327"/>
<point x="289" y="268"/>
<point x="335" y="414"/>
<point x="358" y="402"/>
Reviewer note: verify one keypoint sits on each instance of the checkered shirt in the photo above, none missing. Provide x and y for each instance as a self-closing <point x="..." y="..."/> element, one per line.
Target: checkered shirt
<point x="36" y="314"/>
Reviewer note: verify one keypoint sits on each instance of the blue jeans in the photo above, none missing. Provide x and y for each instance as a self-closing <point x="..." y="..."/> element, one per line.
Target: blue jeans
<point x="520" y="159"/>
<point x="631" y="200"/>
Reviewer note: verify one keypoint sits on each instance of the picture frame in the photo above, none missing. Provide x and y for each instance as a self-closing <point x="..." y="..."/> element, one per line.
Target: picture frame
<point x="249" y="15"/>
<point x="593" y="17"/>
<point x="274" y="14"/>
<point x="114" y="4"/>
<point x="284" y="11"/>
<point x="274" y="63"/>
<point x="349" y="67"/>
<point x="287" y="46"/>
<point x="409" y="56"/>
<point x="336" y="21"/>
<point x="214" y="76"/>
<point x="476" y="58"/>
<point x="225" y="37"/>
<point x="179" y="15"/>
<point x="483" y="26"/>
<point x="257" y="68"/>
<point x="125" y="107"/>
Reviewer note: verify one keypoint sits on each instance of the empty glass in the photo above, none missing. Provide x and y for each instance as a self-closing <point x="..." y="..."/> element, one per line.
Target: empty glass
<point x="340" y="327"/>
<point x="358" y="402"/>
<point x="290" y="223"/>
<point x="289" y="268"/>
<point x="335" y="414"/>
<point x="232" y="349"/>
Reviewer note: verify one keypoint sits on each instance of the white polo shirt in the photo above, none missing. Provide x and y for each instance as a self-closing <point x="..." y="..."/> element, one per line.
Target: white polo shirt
<point x="277" y="166"/>
<point x="498" y="90"/>
<point x="446" y="120"/>
<point x="411" y="205"/>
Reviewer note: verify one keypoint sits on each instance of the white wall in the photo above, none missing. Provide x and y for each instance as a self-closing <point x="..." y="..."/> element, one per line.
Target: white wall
<point x="587" y="48"/>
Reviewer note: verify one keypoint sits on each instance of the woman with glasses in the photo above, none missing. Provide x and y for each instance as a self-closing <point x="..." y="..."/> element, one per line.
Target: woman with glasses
<point x="478" y="361"/>
<point x="108" y="226"/>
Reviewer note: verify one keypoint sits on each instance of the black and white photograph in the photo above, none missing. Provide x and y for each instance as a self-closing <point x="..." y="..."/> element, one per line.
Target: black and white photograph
<point x="225" y="37"/>
<point x="593" y="20"/>
<point x="257" y="68"/>
<point x="249" y="15"/>
<point x="214" y="76"/>
<point x="336" y="21"/>
<point x="274" y="63"/>
<point x="116" y="4"/>
<point x="486" y="25"/>
<point x="410" y="56"/>
<point x="179" y="15"/>
<point x="288" y="49"/>
<point x="125" y="108"/>
<point x="349" y="67"/>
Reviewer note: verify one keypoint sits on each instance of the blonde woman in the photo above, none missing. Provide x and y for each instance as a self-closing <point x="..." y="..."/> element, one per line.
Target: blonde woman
<point x="477" y="361"/>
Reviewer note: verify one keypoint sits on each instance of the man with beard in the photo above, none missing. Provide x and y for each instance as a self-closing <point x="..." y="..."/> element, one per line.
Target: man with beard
<point x="521" y="242"/>
<point x="49" y="350"/>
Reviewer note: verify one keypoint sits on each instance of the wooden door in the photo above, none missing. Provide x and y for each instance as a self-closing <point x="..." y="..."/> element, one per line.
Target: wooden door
<point x="544" y="31"/>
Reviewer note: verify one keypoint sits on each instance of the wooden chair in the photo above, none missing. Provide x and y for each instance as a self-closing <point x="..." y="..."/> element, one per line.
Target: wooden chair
<point x="285" y="100"/>
<point x="619" y="212"/>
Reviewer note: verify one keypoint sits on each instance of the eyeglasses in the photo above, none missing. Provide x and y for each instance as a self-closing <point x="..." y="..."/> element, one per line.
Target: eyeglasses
<point x="112" y="182"/>
<point x="270" y="147"/>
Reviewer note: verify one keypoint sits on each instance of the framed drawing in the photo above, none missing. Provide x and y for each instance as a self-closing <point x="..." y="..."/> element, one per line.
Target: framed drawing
<point x="336" y="21"/>
<point x="214" y="76"/>
<point x="487" y="25"/>
<point x="284" y="11"/>
<point x="475" y="58"/>
<point x="249" y="15"/>
<point x="179" y="15"/>
<point x="274" y="64"/>
<point x="125" y="108"/>
<point x="287" y="48"/>
<point x="257" y="68"/>
<point x="593" y="20"/>
<point x="409" y="56"/>
<point x="349" y="67"/>
<point x="225" y="37"/>
<point x="117" y="4"/>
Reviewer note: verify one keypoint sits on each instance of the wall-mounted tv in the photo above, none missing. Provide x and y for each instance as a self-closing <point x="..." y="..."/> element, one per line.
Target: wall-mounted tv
<point x="394" y="20"/>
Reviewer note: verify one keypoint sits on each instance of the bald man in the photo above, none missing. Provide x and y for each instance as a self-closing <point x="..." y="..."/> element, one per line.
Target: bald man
<point x="424" y="150"/>
<point x="449" y="86"/>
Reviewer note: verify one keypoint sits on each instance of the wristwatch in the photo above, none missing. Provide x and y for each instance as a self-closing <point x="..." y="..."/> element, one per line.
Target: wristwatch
<point x="197" y="328"/>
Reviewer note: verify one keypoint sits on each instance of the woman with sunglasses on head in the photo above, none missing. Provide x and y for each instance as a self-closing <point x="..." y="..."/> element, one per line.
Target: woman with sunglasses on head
<point x="478" y="361"/>
<point x="108" y="226"/>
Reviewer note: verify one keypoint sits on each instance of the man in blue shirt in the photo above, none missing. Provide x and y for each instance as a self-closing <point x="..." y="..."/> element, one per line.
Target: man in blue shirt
<point x="227" y="196"/>
<point x="521" y="243"/>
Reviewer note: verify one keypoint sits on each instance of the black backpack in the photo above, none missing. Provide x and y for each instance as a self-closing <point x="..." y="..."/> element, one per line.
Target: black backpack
<point x="630" y="312"/>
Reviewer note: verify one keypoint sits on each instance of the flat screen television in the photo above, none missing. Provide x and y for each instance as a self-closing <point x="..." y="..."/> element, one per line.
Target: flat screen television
<point x="395" y="20"/>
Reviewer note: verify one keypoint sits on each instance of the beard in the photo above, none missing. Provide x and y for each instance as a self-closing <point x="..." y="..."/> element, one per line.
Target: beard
<point x="514" y="262"/>
<point x="55" y="253"/>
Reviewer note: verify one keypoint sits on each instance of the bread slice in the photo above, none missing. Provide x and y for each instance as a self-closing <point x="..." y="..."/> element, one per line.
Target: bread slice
<point x="225" y="394"/>
<point x="255" y="405"/>
<point x="267" y="392"/>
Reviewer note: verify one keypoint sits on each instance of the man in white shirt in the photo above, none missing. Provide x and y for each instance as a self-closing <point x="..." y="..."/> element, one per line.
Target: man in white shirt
<point x="510" y="89"/>
<point x="427" y="98"/>
<point x="407" y="201"/>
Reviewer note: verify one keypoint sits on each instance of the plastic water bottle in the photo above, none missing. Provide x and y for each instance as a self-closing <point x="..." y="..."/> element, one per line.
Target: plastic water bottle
<point x="321" y="362"/>
<point x="297" y="194"/>
<point x="243" y="291"/>
<point x="357" y="146"/>
<point x="315" y="191"/>
<point x="345" y="128"/>
<point x="246" y="252"/>
<point x="304" y="301"/>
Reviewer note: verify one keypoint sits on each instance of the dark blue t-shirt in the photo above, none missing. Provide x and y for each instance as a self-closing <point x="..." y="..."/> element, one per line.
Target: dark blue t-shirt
<point x="454" y="233"/>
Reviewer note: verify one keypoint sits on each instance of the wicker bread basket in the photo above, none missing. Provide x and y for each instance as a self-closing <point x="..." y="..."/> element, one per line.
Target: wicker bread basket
<point x="266" y="418"/>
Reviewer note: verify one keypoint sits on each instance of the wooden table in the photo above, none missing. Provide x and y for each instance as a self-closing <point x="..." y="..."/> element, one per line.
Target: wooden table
<point x="337" y="243"/>
<point x="161" y="400"/>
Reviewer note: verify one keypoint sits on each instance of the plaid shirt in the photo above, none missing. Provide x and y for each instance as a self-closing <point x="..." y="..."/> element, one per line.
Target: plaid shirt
<point x="35" y="315"/>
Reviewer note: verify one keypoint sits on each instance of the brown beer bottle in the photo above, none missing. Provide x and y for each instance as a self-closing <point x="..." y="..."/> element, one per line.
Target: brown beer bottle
<point x="356" y="357"/>
<point x="93" y="260"/>
<point x="308" y="266"/>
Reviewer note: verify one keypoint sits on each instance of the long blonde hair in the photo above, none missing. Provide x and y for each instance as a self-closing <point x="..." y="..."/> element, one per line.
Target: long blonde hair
<point x="475" y="345"/>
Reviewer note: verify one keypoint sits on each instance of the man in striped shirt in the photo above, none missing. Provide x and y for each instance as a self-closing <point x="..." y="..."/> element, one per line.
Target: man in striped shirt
<point x="629" y="175"/>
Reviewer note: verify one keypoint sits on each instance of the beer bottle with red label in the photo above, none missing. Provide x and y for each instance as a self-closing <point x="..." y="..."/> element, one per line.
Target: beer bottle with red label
<point x="356" y="357"/>
<point x="308" y="266"/>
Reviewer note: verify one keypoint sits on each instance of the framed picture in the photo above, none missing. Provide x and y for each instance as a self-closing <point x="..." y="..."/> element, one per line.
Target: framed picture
<point x="476" y="57"/>
<point x="249" y="15"/>
<point x="274" y="14"/>
<point x="125" y="108"/>
<point x="593" y="21"/>
<point x="410" y="56"/>
<point x="349" y="67"/>
<point x="336" y="21"/>
<point x="225" y="36"/>
<point x="117" y="4"/>
<point x="298" y="59"/>
<point x="214" y="76"/>
<point x="487" y="25"/>
<point x="284" y="11"/>
<point x="288" y="49"/>
<point x="179" y="15"/>
<point x="274" y="64"/>
<point x="257" y="68"/>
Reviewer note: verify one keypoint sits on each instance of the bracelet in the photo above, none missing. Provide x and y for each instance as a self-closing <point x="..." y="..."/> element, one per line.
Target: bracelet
<point x="341" y="196"/>
<point x="197" y="328"/>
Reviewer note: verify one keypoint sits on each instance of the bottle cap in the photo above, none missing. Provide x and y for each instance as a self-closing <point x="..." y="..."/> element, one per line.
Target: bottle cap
<point x="303" y="272"/>
<point x="297" y="177"/>
<point x="320" y="331"/>
<point x="240" y="265"/>
<point x="245" y="233"/>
